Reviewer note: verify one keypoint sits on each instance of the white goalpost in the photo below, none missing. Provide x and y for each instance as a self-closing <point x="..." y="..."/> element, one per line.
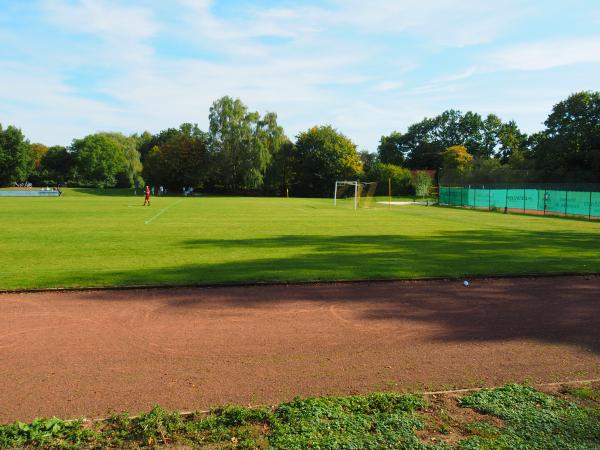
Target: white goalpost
<point x="343" y="187"/>
<point x="357" y="189"/>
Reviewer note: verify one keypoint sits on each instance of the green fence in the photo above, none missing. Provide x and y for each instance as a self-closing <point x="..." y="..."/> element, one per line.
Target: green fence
<point x="527" y="200"/>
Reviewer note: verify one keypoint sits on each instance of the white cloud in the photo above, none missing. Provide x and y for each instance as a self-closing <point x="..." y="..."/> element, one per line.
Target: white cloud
<point x="446" y="83"/>
<point x="123" y="29"/>
<point x="546" y="54"/>
<point x="102" y="17"/>
<point x="385" y="86"/>
<point x="46" y="107"/>
<point x="442" y="22"/>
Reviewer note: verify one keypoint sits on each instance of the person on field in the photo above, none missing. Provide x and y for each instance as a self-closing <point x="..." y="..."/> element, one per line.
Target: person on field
<point x="147" y="196"/>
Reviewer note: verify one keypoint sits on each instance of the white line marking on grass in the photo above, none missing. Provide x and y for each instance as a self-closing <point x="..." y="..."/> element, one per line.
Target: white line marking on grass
<point x="161" y="211"/>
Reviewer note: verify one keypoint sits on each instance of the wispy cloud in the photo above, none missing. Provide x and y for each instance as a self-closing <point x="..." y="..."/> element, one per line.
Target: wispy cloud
<point x="443" y="22"/>
<point x="547" y="54"/>
<point x="385" y="86"/>
<point x="124" y="29"/>
<point x="102" y="17"/>
<point x="41" y="103"/>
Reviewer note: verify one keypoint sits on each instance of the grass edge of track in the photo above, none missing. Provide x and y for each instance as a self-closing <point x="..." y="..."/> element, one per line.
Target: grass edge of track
<point x="316" y="282"/>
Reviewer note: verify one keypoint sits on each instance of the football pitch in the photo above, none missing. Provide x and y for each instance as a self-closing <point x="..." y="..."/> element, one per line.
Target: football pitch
<point x="86" y="239"/>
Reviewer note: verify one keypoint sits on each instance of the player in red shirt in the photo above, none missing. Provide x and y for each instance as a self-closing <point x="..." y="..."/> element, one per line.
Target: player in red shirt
<point x="147" y="196"/>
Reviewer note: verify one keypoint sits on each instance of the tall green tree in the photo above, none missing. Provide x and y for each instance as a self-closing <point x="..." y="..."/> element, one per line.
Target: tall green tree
<point x="269" y="140"/>
<point x="422" y="146"/>
<point x="368" y="160"/>
<point x="392" y="149"/>
<point x="56" y="166"/>
<point x="280" y="174"/>
<point x="99" y="160"/>
<point x="569" y="147"/>
<point x="242" y="143"/>
<point x="147" y="141"/>
<point x="131" y="175"/>
<point x="323" y="155"/>
<point x="424" y="141"/>
<point x="425" y="155"/>
<point x="181" y="159"/>
<point x="17" y="160"/>
<point x="512" y="144"/>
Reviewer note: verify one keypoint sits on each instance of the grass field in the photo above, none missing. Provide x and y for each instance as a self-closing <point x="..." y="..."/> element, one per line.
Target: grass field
<point x="88" y="238"/>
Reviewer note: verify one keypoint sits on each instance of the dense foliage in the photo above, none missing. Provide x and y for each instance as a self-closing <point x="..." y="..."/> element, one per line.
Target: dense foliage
<point x="393" y="178"/>
<point x="242" y="144"/>
<point x="16" y="156"/>
<point x="179" y="158"/>
<point x="323" y="155"/>
<point x="106" y="160"/>
<point x="569" y="148"/>
<point x="244" y="152"/>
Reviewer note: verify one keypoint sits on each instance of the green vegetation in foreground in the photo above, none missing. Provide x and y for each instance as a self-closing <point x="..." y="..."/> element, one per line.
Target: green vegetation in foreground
<point x="85" y="239"/>
<point x="513" y="416"/>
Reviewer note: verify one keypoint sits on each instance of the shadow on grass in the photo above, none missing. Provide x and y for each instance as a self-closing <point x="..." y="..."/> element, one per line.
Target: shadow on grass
<point x="364" y="257"/>
<point x="559" y="310"/>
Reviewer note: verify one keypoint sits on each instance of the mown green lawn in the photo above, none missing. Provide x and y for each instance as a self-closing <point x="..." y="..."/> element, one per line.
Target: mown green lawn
<point x="87" y="239"/>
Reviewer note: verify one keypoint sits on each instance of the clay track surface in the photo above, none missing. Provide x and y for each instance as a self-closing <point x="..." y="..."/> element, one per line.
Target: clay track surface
<point x="91" y="353"/>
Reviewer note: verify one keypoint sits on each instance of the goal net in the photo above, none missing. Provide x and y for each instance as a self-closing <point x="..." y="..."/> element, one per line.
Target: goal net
<point x="356" y="194"/>
<point x="366" y="194"/>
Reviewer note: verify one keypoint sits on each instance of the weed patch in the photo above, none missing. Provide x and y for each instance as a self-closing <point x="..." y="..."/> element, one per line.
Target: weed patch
<point x="513" y="416"/>
<point x="533" y="420"/>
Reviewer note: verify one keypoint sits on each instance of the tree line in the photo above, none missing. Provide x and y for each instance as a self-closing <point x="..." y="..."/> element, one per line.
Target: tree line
<point x="245" y="152"/>
<point x="469" y="148"/>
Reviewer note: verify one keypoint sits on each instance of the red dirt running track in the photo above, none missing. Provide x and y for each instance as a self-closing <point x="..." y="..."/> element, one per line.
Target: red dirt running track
<point x="91" y="353"/>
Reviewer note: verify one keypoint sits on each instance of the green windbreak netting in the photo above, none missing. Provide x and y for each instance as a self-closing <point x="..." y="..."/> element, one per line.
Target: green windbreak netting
<point x="595" y="204"/>
<point x="578" y="203"/>
<point x="451" y="196"/>
<point x="522" y="199"/>
<point x="556" y="201"/>
<point x="532" y="200"/>
<point x="497" y="198"/>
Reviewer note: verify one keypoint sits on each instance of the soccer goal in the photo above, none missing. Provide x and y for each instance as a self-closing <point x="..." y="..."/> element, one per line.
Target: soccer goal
<point x="361" y="193"/>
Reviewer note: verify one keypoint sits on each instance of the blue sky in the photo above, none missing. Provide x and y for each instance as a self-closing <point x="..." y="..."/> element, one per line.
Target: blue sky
<point x="70" y="68"/>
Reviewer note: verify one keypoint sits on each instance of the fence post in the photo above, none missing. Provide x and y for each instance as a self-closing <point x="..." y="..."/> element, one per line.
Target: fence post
<point x="545" y="201"/>
<point x="524" y="200"/>
<point x="566" y="200"/>
<point x="590" y="211"/>
<point x="461" y="196"/>
<point x="506" y="202"/>
<point x="489" y="198"/>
